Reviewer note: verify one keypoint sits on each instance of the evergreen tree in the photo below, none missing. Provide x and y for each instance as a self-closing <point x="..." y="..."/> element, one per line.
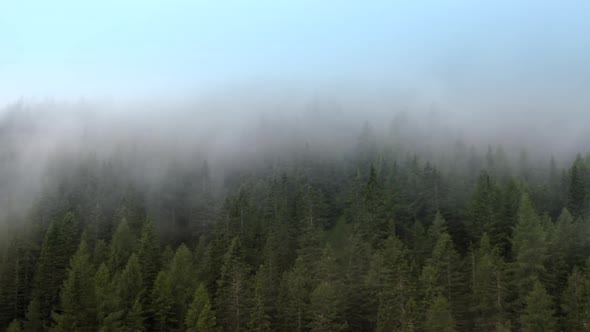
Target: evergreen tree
<point x="439" y="317"/>
<point x="259" y="318"/>
<point x="58" y="246"/>
<point x="107" y="314"/>
<point x="182" y="281"/>
<point x="529" y="246"/>
<point x="15" y="326"/>
<point x="163" y="303"/>
<point x="397" y="296"/>
<point x="121" y="248"/>
<point x="488" y="286"/>
<point x="34" y="321"/>
<point x="232" y="289"/>
<point x="294" y="298"/>
<point x="325" y="301"/>
<point x="78" y="306"/>
<point x="442" y="275"/>
<point x="538" y="314"/>
<point x="148" y="254"/>
<point x="130" y="290"/>
<point x="200" y="316"/>
<point x="575" y="302"/>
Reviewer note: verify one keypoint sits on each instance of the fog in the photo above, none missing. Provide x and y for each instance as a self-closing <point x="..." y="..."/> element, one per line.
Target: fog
<point x="247" y="85"/>
<point x="253" y="129"/>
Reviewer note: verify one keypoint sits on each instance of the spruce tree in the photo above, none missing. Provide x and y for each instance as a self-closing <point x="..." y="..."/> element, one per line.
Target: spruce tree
<point x="259" y="318"/>
<point x="294" y="298"/>
<point x="15" y="326"/>
<point x="130" y="291"/>
<point x="108" y="315"/>
<point x="575" y="302"/>
<point x="77" y="309"/>
<point x="162" y="301"/>
<point x="233" y="289"/>
<point x="121" y="247"/>
<point x="148" y="253"/>
<point x="439" y="317"/>
<point x="182" y="281"/>
<point x="200" y="316"/>
<point x="538" y="314"/>
<point x="397" y="295"/>
<point x="529" y="247"/>
<point x="58" y="246"/>
<point x="488" y="286"/>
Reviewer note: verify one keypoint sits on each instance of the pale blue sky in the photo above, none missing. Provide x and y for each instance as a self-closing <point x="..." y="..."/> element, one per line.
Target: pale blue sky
<point x="445" y="49"/>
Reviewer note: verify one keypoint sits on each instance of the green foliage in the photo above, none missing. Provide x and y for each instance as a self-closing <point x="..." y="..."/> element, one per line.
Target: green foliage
<point x="78" y="306"/>
<point x="439" y="317"/>
<point x="529" y="247"/>
<point x="575" y="301"/>
<point x="15" y="326"/>
<point x="200" y="316"/>
<point x="259" y="317"/>
<point x="122" y="246"/>
<point x="58" y="246"/>
<point x="148" y="253"/>
<point x="393" y="240"/>
<point x="489" y="288"/>
<point x="108" y="314"/>
<point x="233" y="289"/>
<point x="182" y="281"/>
<point x="130" y="290"/>
<point x="538" y="314"/>
<point x="162" y="301"/>
<point x="397" y="302"/>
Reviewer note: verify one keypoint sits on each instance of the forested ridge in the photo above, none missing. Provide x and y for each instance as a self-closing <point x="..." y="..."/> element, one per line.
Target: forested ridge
<point x="380" y="238"/>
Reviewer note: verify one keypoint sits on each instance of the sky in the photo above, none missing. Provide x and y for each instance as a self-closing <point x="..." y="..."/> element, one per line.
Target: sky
<point x="499" y="54"/>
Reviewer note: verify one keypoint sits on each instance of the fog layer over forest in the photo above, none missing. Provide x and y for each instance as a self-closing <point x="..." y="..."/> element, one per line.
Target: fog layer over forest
<point x="246" y="132"/>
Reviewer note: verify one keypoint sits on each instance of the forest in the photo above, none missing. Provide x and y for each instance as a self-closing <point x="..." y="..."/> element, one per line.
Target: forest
<point x="380" y="234"/>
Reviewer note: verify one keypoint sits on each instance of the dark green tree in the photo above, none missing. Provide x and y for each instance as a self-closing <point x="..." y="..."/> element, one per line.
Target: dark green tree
<point x="538" y="314"/>
<point x="200" y="316"/>
<point x="77" y="309"/>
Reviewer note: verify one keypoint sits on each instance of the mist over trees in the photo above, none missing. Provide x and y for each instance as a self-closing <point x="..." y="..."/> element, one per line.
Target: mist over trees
<point x="315" y="218"/>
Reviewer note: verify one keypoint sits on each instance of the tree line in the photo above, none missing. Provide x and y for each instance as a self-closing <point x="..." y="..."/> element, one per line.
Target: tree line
<point x="378" y="240"/>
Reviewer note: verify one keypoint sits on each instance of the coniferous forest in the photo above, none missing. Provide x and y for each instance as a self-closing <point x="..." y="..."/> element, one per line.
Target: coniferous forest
<point x="377" y="239"/>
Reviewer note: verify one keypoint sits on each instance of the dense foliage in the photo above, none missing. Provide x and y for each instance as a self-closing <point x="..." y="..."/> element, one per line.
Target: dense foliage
<point x="380" y="239"/>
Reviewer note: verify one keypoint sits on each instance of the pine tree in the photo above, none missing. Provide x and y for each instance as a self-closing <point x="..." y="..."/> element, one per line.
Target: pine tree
<point x="121" y="248"/>
<point x="130" y="290"/>
<point x="488" y="286"/>
<point x="484" y="211"/>
<point x="562" y="253"/>
<point x="442" y="275"/>
<point x="397" y="295"/>
<point x="107" y="314"/>
<point x="162" y="301"/>
<point x="58" y="246"/>
<point x="538" y="314"/>
<point x="15" y="326"/>
<point x="259" y="318"/>
<point x="200" y="316"/>
<point x="182" y="281"/>
<point x="578" y="188"/>
<point x="575" y="302"/>
<point x="148" y="254"/>
<point x="325" y="303"/>
<point x="232" y="289"/>
<point x="34" y="321"/>
<point x="78" y="306"/>
<point x="134" y="320"/>
<point x="439" y="317"/>
<point x="529" y="247"/>
<point x="294" y="298"/>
